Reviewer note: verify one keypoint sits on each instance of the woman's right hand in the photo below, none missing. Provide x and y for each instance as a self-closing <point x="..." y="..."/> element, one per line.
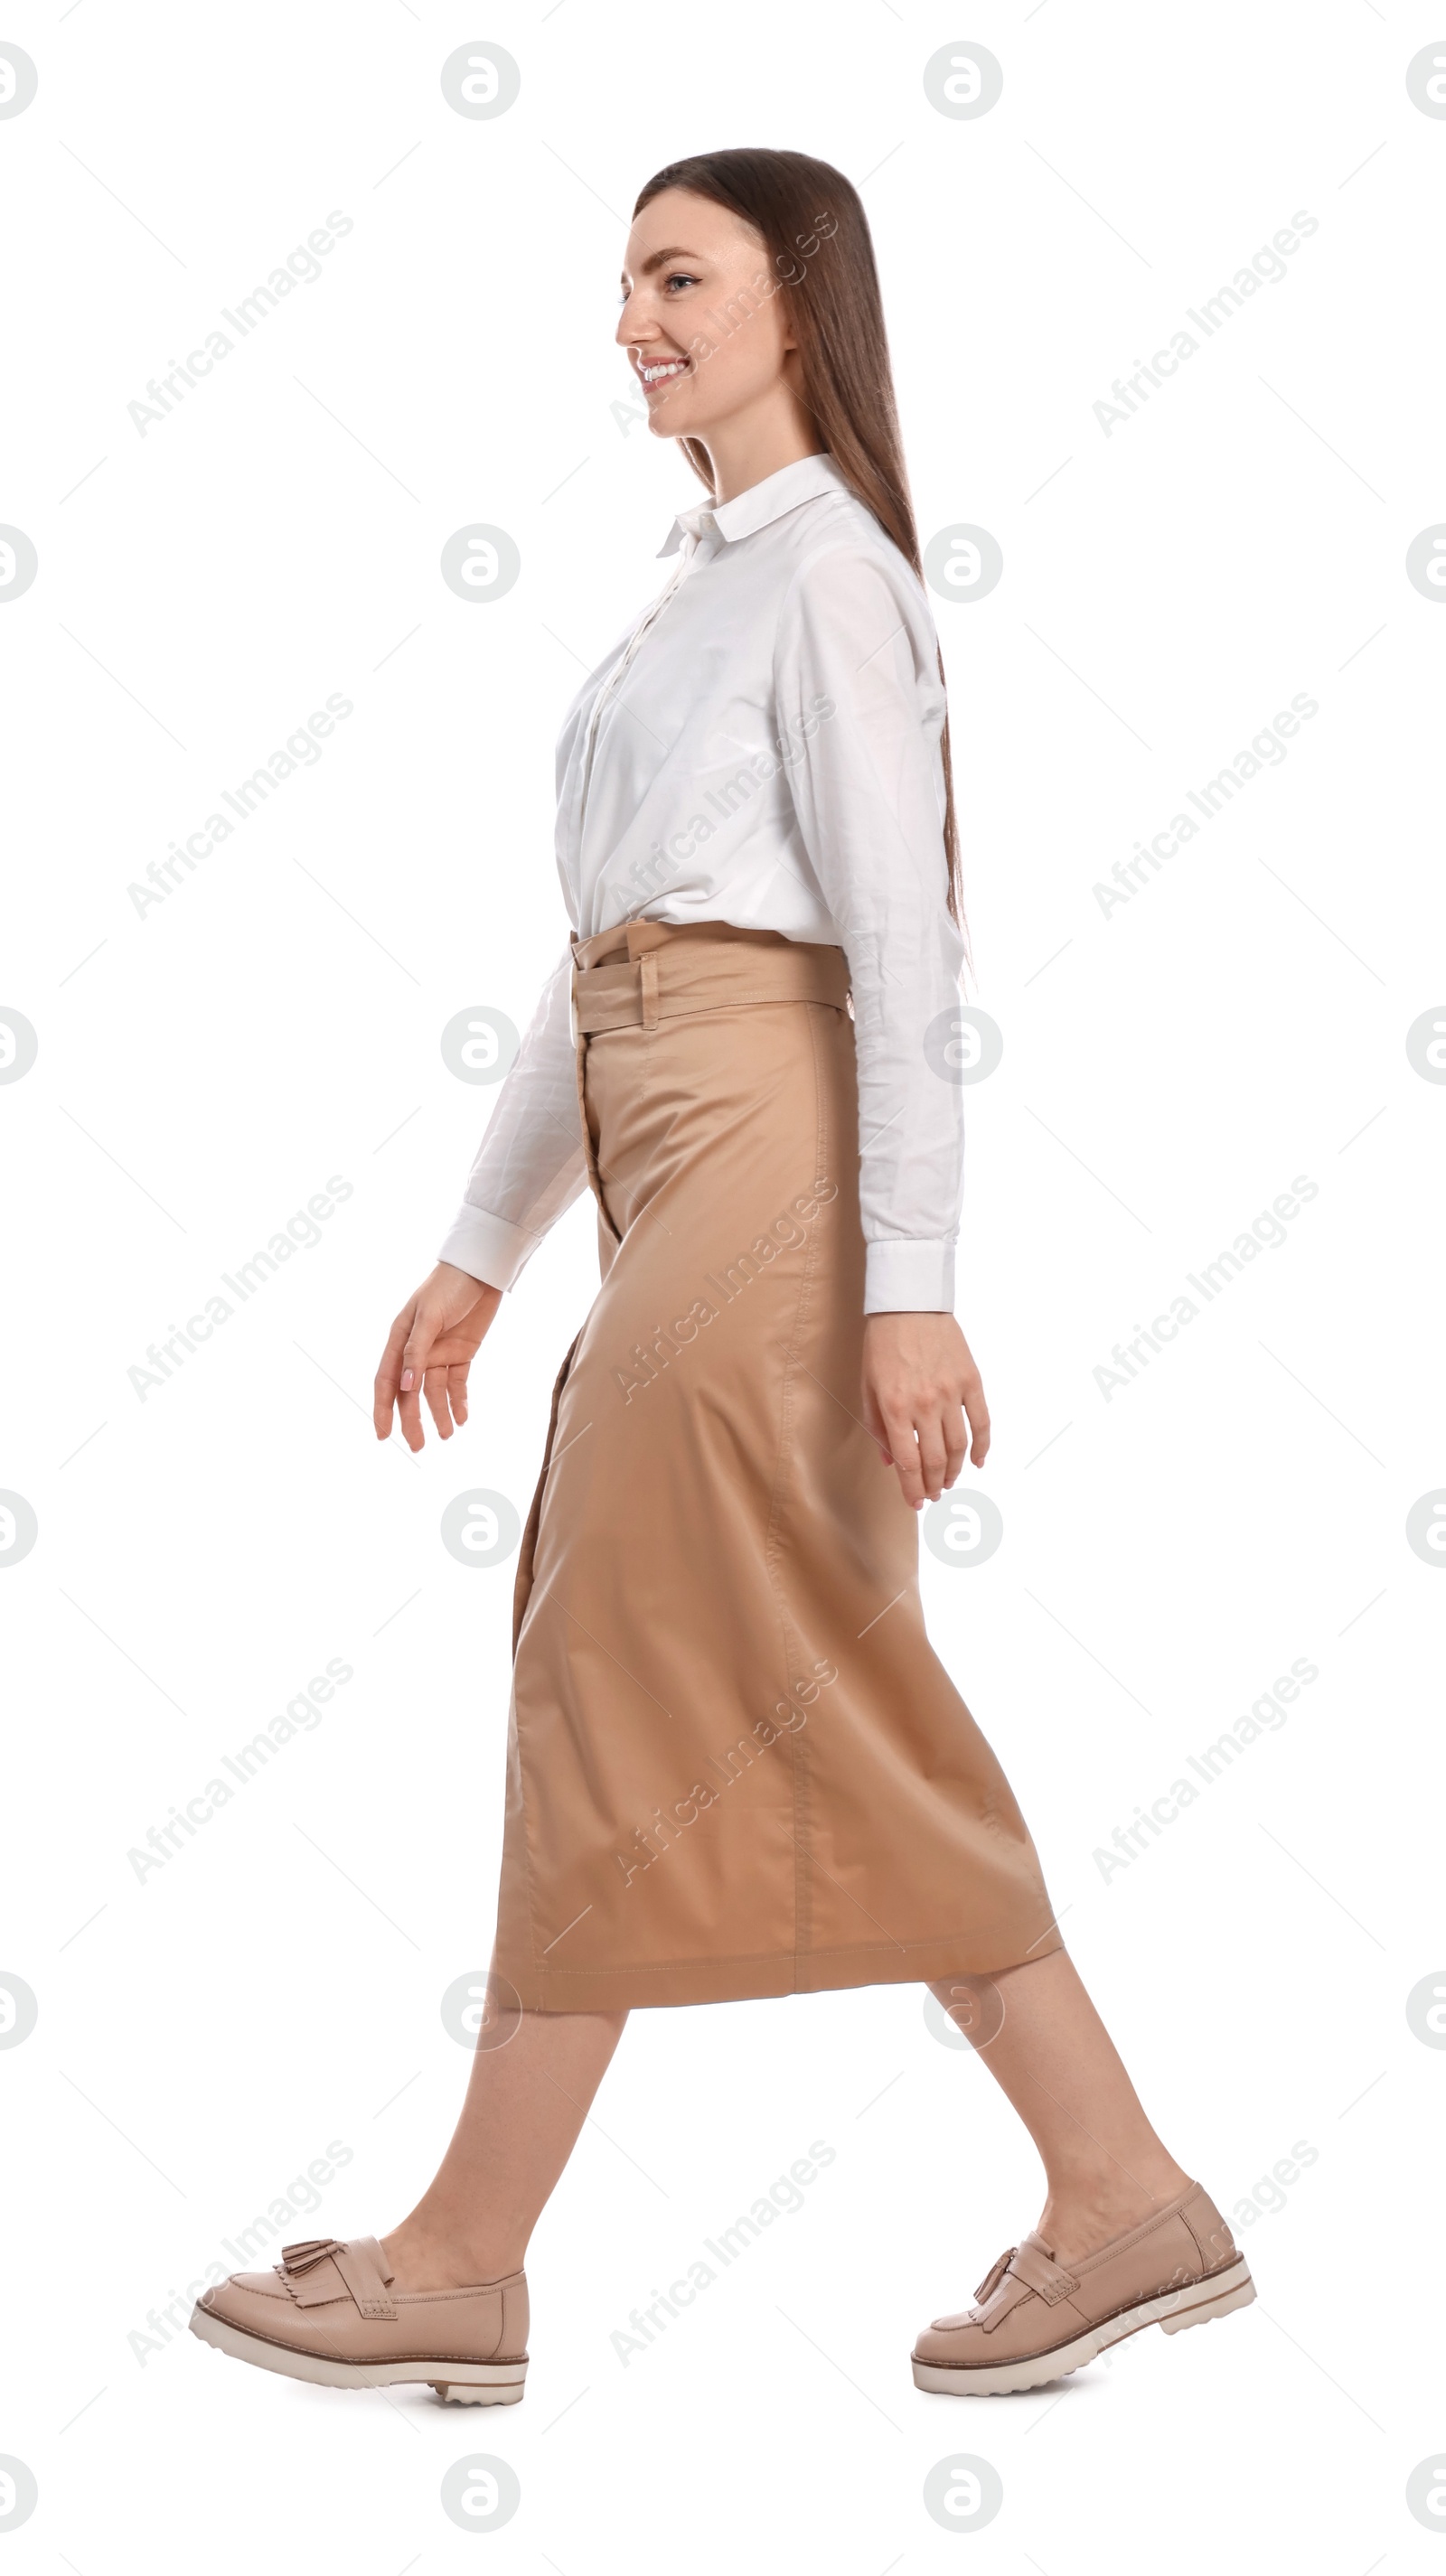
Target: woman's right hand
<point x="429" y="1350"/>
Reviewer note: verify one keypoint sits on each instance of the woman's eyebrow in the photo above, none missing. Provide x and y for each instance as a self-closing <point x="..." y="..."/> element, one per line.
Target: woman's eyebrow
<point x="659" y="259"/>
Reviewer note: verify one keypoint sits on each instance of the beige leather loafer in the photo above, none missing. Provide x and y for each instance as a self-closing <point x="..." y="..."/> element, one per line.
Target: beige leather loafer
<point x="327" y="2312"/>
<point x="1037" y="2321"/>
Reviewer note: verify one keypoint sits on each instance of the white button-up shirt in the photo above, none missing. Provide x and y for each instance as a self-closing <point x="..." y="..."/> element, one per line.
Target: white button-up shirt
<point x="763" y="748"/>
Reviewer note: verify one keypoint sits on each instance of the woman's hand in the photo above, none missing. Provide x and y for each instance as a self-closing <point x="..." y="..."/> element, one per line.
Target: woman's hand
<point x="919" y="1382"/>
<point x="430" y="1349"/>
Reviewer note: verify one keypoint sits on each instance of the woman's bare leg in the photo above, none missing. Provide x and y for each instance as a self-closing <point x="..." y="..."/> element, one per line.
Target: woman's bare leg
<point x="526" y="2102"/>
<point x="1042" y="2040"/>
<point x="1034" y="2027"/>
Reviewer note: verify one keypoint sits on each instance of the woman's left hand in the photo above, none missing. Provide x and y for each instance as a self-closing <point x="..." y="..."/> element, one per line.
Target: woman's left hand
<point x="919" y="1383"/>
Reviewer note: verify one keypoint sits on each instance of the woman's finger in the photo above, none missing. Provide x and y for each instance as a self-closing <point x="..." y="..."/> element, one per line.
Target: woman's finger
<point x="457" y="1390"/>
<point x="414" y="1368"/>
<point x="978" y="1412"/>
<point x="874" y="1421"/>
<point x="933" y="1452"/>
<point x="434" y="1387"/>
<point x="904" y="1450"/>
<point x="388" y="1376"/>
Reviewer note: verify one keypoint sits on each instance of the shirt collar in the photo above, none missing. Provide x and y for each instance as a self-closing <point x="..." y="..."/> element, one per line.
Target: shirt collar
<point x="760" y="505"/>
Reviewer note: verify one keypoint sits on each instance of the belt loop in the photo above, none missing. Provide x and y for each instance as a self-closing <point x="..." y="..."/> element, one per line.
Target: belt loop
<point x="648" y="977"/>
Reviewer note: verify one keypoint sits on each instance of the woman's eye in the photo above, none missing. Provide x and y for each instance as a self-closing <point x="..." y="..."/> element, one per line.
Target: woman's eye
<point x="680" y="277"/>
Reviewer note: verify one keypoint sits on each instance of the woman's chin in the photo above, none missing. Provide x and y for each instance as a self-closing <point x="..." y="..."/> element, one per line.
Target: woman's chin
<point x="670" y="420"/>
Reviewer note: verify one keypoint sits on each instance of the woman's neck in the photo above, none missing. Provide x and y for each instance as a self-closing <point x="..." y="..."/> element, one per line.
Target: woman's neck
<point x="759" y="442"/>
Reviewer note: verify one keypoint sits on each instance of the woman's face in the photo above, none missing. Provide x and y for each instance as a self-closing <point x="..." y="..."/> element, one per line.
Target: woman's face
<point x="703" y="322"/>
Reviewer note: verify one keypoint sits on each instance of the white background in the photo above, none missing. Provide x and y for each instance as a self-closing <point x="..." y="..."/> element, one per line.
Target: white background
<point x="1168" y="1069"/>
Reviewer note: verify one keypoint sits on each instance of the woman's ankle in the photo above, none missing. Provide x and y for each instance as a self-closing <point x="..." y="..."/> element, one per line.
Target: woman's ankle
<point x="424" y="2254"/>
<point x="1083" y="2212"/>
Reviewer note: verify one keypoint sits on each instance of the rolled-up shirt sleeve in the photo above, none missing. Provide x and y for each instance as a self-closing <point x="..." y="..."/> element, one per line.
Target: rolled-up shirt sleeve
<point x="860" y="708"/>
<point x="529" y="1166"/>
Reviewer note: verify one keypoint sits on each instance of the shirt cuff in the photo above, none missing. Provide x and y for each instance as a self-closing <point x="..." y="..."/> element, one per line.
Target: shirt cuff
<point x="909" y="1278"/>
<point x="488" y="1247"/>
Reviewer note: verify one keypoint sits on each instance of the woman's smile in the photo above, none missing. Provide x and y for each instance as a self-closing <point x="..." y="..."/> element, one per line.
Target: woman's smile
<point x="658" y="370"/>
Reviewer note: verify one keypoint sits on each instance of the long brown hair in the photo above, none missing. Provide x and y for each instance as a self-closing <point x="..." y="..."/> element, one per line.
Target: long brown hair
<point x="813" y="226"/>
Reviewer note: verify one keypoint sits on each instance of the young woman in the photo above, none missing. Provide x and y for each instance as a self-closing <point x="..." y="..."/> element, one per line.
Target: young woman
<point x="735" y="1766"/>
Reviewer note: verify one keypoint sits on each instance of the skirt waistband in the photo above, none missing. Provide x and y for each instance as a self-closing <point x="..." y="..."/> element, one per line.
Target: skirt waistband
<point x="642" y="972"/>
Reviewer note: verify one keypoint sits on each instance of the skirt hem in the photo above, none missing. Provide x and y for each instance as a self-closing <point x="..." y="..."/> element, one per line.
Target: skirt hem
<point x="744" y="1980"/>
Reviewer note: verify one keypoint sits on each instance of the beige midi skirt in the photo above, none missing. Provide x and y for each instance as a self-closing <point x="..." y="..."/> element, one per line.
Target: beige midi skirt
<point x="735" y="1764"/>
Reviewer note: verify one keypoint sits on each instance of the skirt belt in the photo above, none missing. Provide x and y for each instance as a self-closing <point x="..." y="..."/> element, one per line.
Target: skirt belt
<point x="644" y="972"/>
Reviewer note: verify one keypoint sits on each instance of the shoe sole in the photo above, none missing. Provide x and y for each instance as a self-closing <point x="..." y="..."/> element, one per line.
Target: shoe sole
<point x="462" y="2383"/>
<point x="1174" y="2310"/>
